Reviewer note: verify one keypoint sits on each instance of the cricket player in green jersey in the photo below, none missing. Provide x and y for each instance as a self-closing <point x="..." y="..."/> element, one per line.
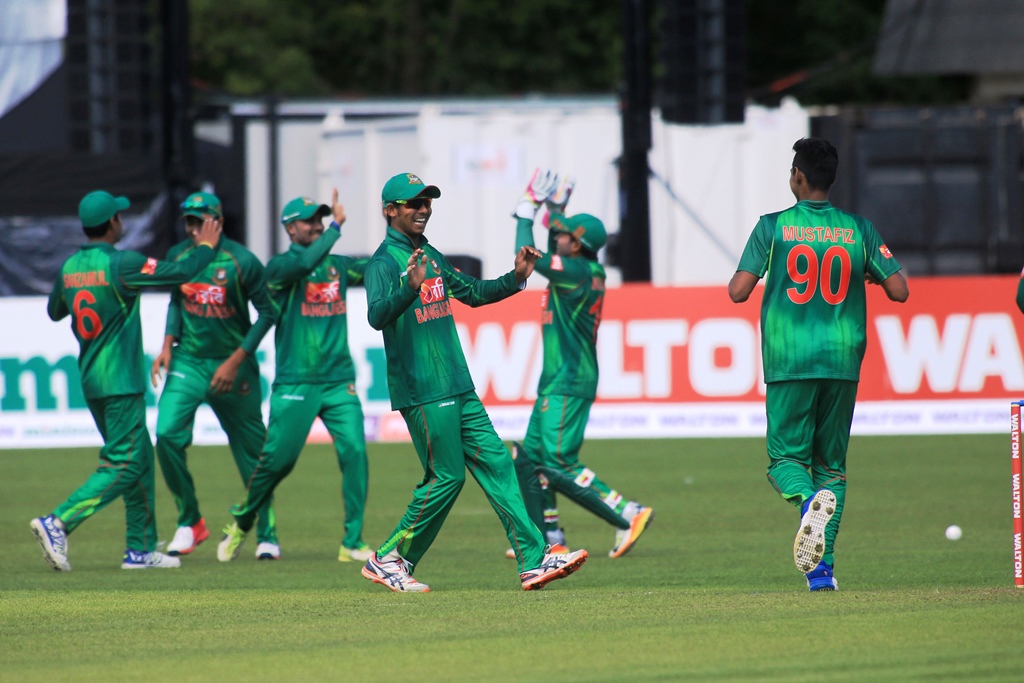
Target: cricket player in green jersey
<point x="99" y="288"/>
<point x="209" y="354"/>
<point x="409" y="286"/>
<point x="815" y="260"/>
<point x="315" y="373"/>
<point x="548" y="459"/>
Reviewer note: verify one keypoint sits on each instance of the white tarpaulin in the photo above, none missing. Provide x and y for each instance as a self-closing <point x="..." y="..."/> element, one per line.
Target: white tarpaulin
<point x="31" y="32"/>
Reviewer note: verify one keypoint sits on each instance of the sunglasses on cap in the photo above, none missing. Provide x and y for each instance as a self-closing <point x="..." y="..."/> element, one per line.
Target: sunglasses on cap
<point x="415" y="204"/>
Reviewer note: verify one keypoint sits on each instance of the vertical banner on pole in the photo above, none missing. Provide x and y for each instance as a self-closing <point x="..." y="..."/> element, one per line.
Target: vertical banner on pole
<point x="1016" y="471"/>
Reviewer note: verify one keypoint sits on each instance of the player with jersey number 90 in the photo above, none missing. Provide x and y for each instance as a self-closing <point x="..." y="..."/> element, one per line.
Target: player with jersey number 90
<point x="817" y="260"/>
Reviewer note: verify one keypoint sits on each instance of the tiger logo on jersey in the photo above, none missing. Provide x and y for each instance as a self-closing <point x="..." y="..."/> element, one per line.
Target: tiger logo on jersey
<point x="437" y="268"/>
<point x="202" y="293"/>
<point x="332" y="273"/>
<point x="220" y="276"/>
<point x="323" y="292"/>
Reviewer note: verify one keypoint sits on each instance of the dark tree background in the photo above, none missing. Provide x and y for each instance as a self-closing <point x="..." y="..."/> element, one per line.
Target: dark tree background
<point x="821" y="48"/>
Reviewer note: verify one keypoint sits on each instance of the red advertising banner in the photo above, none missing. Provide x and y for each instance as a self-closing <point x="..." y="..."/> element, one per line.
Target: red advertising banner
<point x="954" y="339"/>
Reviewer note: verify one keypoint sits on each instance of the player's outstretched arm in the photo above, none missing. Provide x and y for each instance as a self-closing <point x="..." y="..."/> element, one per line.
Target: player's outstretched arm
<point x="896" y="288"/>
<point x="741" y="285"/>
<point x="134" y="270"/>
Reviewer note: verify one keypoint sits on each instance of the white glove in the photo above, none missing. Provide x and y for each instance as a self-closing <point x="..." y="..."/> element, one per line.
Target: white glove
<point x="541" y="186"/>
<point x="557" y="200"/>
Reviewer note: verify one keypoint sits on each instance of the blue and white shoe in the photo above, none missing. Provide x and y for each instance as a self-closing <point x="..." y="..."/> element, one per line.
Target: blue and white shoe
<point x="821" y="579"/>
<point x="54" y="541"/>
<point x="137" y="559"/>
<point x="809" y="546"/>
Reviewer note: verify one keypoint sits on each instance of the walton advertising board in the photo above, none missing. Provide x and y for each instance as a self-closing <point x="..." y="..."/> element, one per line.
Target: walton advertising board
<point x="675" y="362"/>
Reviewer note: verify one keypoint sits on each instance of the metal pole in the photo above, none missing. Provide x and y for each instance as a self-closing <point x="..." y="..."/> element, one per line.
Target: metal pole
<point x="634" y="199"/>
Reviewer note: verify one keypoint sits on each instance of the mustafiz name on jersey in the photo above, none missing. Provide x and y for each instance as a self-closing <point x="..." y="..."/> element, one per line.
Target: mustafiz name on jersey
<point x="795" y="233"/>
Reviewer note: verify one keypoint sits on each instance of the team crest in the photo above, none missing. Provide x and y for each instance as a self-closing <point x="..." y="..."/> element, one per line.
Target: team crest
<point x="220" y="276"/>
<point x="437" y="268"/>
<point x="544" y="406"/>
<point x="332" y="273"/>
<point x="413" y="179"/>
<point x="351" y="389"/>
<point x="244" y="388"/>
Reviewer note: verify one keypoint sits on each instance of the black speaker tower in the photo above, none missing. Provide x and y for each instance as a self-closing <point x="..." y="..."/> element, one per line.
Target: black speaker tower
<point x="703" y="61"/>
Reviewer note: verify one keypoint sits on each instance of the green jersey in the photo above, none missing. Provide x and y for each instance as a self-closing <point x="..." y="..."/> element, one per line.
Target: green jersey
<point x="309" y="285"/>
<point x="425" y="358"/>
<point x="814" y="314"/>
<point x="99" y="287"/>
<point x="571" y="315"/>
<point x="209" y="315"/>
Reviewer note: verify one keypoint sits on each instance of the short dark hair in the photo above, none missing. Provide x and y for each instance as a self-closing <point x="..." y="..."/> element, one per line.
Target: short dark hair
<point x="818" y="160"/>
<point x="97" y="231"/>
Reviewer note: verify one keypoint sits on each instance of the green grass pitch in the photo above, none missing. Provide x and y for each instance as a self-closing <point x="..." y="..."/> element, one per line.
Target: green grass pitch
<point x="708" y="594"/>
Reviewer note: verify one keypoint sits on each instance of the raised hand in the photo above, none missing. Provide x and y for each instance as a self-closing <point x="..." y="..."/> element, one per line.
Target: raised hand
<point x="210" y="232"/>
<point x="541" y="185"/>
<point x="526" y="259"/>
<point x="416" y="269"/>
<point x="337" y="209"/>
<point x="557" y="200"/>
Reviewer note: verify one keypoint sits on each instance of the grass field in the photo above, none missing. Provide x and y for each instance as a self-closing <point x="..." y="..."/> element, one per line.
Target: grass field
<point x="709" y="594"/>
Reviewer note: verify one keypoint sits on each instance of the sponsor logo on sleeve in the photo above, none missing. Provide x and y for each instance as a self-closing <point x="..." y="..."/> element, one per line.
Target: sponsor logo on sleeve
<point x="149" y="267"/>
<point x="556" y="263"/>
<point x="884" y="251"/>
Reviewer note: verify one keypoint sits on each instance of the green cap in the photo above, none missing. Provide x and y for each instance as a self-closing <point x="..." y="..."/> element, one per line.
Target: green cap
<point x="589" y="230"/>
<point x="96" y="208"/>
<point x="302" y="209"/>
<point x="405" y="186"/>
<point x="201" y="204"/>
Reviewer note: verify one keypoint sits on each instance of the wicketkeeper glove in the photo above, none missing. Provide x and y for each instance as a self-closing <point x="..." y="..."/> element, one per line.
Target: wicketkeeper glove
<point x="541" y="186"/>
<point x="557" y="200"/>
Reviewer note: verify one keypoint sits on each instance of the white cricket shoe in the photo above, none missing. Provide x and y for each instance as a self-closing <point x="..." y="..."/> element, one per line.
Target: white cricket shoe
<point x="186" y="538"/>
<point x="393" y="575"/>
<point x="54" y="541"/>
<point x="134" y="559"/>
<point x="554" y="566"/>
<point x="268" y="551"/>
<point x="809" y="546"/>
